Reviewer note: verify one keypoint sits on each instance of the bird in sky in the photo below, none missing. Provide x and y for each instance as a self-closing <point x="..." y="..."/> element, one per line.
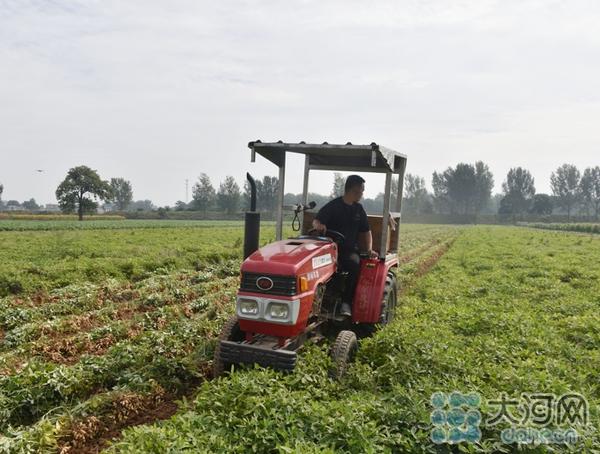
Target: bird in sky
<point x="39" y="170"/>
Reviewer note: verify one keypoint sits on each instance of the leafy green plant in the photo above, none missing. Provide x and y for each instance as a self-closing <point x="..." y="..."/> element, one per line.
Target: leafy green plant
<point x="485" y="319"/>
<point x="160" y="326"/>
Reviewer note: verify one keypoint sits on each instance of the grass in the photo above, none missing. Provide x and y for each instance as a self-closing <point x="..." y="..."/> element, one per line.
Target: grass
<point x="81" y="361"/>
<point x="505" y="310"/>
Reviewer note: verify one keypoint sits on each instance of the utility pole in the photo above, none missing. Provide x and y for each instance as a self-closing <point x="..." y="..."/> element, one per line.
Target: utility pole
<point x="186" y="190"/>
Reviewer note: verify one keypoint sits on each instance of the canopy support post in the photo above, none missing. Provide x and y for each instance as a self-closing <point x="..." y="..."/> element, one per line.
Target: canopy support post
<point x="280" y="194"/>
<point x="399" y="194"/>
<point x="385" y="221"/>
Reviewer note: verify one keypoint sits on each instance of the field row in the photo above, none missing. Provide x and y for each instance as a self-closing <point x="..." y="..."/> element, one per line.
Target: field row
<point x="110" y="223"/>
<point x="7" y="218"/>
<point x="567" y="227"/>
<point x="72" y="357"/>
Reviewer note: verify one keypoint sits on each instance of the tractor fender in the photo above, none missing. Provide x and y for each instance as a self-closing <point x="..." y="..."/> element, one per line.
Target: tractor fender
<point x="366" y="306"/>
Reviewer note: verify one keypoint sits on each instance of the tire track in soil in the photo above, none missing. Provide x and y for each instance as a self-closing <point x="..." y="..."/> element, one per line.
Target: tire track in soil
<point x="93" y="434"/>
<point x="426" y="265"/>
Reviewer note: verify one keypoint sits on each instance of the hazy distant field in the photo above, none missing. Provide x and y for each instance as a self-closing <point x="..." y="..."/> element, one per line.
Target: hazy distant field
<point x="566" y="227"/>
<point x="25" y="225"/>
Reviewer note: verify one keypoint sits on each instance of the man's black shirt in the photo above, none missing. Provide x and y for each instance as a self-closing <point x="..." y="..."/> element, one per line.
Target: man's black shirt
<point x="349" y="220"/>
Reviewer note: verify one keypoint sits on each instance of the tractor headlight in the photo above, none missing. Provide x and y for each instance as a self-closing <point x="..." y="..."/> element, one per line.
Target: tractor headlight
<point x="279" y="311"/>
<point x="248" y="307"/>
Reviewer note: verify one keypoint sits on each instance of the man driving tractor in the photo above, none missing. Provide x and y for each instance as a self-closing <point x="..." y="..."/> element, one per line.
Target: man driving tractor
<point x="345" y="215"/>
<point x="290" y="291"/>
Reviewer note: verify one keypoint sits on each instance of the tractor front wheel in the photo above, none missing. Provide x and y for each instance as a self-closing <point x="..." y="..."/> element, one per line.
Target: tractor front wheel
<point x="230" y="331"/>
<point x="343" y="352"/>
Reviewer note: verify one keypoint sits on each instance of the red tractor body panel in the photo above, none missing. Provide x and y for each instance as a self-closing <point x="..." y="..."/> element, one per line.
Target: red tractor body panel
<point x="290" y="257"/>
<point x="312" y="260"/>
<point x="366" y="306"/>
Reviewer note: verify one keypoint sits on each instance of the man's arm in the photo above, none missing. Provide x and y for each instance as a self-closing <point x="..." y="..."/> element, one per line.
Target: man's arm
<point x="365" y="241"/>
<point x="365" y="237"/>
<point x="322" y="218"/>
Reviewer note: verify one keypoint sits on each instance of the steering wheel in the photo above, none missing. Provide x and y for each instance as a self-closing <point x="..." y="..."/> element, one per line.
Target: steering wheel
<point x="333" y="234"/>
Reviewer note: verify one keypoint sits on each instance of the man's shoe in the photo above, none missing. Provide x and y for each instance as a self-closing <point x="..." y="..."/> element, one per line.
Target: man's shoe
<point x="346" y="310"/>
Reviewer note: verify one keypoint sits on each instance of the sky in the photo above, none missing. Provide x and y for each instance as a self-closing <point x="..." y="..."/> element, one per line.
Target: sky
<point x="158" y="92"/>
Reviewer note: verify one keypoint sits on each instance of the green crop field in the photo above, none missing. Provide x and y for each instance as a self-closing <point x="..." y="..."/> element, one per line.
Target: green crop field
<point x="107" y="336"/>
<point x="37" y="256"/>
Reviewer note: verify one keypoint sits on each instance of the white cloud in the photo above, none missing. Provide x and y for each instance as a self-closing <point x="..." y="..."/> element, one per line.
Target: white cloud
<point x="158" y="92"/>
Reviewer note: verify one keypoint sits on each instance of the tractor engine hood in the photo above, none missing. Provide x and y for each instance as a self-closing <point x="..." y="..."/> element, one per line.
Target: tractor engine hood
<point x="289" y="257"/>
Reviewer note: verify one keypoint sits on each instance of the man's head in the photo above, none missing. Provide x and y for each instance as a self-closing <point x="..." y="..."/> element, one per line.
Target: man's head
<point x="354" y="188"/>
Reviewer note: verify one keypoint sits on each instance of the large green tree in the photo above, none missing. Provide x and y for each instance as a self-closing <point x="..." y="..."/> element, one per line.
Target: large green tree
<point x="519" y="190"/>
<point x="484" y="182"/>
<point x="590" y="189"/>
<point x="1" y="191"/>
<point x="465" y="189"/>
<point x="441" y="199"/>
<point x="565" y="186"/>
<point x="415" y="193"/>
<point x="229" y="195"/>
<point x="203" y="193"/>
<point x="461" y="187"/>
<point x="121" y="193"/>
<point x="266" y="194"/>
<point x="80" y="191"/>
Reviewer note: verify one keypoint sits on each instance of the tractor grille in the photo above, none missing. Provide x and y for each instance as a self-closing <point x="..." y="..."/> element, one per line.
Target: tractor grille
<point x="282" y="285"/>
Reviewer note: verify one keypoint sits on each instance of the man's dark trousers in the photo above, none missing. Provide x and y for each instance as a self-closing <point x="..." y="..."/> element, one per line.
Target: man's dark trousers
<point x="350" y="262"/>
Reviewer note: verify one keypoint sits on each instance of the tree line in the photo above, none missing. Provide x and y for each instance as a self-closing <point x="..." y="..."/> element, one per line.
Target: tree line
<point x="465" y="189"/>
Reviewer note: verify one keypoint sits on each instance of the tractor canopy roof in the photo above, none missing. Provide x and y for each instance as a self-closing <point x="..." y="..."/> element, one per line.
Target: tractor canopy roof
<point x="325" y="156"/>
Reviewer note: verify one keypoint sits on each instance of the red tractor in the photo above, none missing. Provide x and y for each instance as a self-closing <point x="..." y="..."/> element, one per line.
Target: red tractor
<point x="290" y="290"/>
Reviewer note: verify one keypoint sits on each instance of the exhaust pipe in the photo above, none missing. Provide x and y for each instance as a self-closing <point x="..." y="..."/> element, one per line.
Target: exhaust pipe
<point x="252" y="222"/>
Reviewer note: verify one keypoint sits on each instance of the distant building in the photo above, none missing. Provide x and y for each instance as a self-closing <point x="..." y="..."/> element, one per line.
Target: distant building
<point x="51" y="207"/>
